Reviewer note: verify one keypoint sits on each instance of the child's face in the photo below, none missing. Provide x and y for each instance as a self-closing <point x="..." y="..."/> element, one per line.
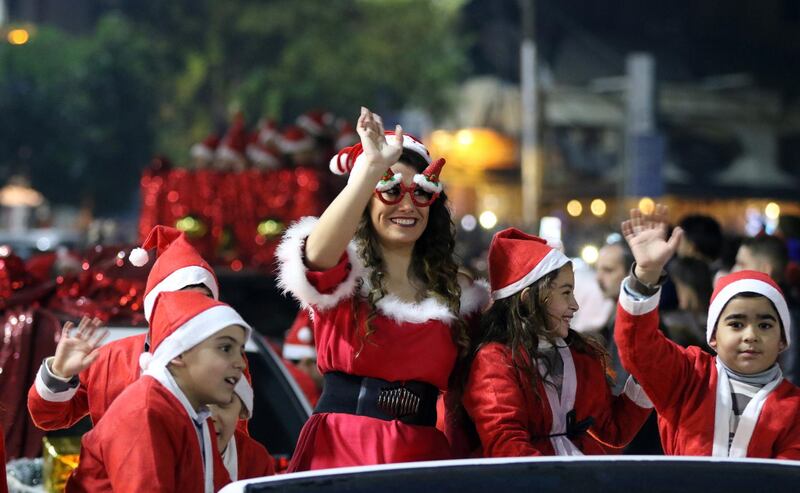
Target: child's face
<point x="210" y="370"/>
<point x="402" y="223"/>
<point x="225" y="418"/>
<point x="560" y="302"/>
<point x="748" y="335"/>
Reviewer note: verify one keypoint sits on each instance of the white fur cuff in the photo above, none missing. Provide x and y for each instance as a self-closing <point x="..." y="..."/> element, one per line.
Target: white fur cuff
<point x="636" y="306"/>
<point x="292" y="270"/>
<point x="636" y="393"/>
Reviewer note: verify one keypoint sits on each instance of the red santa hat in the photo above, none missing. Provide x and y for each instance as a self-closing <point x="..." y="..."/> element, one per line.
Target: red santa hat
<point x="261" y="155"/>
<point x="206" y="148"/>
<point x="233" y="144"/>
<point x="177" y="265"/>
<point x="245" y="392"/>
<point x="181" y="321"/>
<point x="517" y="260"/>
<point x="345" y="159"/>
<point x="299" y="341"/>
<point x="316" y="123"/>
<point x="347" y="135"/>
<point x="294" y="139"/>
<point x="747" y="281"/>
<point x="267" y="131"/>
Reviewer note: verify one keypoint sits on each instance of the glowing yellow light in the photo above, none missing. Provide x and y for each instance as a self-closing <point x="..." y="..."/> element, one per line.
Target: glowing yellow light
<point x="488" y="219"/>
<point x="598" y="207"/>
<point x="270" y="228"/>
<point x="772" y="210"/>
<point x="574" y="208"/>
<point x="647" y="205"/>
<point x="18" y="36"/>
<point x="589" y="254"/>
<point x="465" y="137"/>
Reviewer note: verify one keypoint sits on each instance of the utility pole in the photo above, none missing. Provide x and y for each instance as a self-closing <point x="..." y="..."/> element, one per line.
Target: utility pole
<point x="531" y="167"/>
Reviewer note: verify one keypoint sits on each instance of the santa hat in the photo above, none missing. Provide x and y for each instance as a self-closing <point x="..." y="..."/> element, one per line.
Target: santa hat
<point x="233" y="144"/>
<point x="295" y="139"/>
<point x="206" y="148"/>
<point x="345" y="159"/>
<point x="177" y="265"/>
<point x="267" y="131"/>
<point x="316" y="123"/>
<point x="747" y="281"/>
<point x="261" y="155"/>
<point x="181" y="321"/>
<point x="245" y="392"/>
<point x="517" y="260"/>
<point x="347" y="135"/>
<point x="299" y="341"/>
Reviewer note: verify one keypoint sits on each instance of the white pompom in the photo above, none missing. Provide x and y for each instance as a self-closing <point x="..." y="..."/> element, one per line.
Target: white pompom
<point x="139" y="257"/>
<point x="334" y="164"/>
<point x="145" y="359"/>
<point x="304" y="335"/>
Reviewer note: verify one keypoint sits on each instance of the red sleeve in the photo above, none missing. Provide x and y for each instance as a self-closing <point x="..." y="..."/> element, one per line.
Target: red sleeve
<point x="50" y="415"/>
<point x="661" y="367"/>
<point x="494" y="399"/>
<point x="254" y="459"/>
<point x="326" y="281"/>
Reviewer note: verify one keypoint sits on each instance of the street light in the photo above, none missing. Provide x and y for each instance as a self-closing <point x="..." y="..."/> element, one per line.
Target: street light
<point x="18" y="36"/>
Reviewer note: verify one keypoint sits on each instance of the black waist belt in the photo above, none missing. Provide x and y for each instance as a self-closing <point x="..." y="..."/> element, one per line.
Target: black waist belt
<point x="574" y="428"/>
<point x="411" y="402"/>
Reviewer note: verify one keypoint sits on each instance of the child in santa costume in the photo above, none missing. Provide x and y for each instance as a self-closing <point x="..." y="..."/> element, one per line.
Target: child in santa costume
<point x="300" y="356"/>
<point x="734" y="404"/>
<point x="535" y="386"/>
<point x="84" y="378"/>
<point x="378" y="274"/>
<point x="244" y="457"/>
<point x="157" y="435"/>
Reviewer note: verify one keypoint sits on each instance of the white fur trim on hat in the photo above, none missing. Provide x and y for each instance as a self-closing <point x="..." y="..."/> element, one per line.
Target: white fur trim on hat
<point x="139" y="257"/>
<point x="298" y="351"/>
<point x="179" y="279"/>
<point x="752" y="286"/>
<point x="245" y="393"/>
<point x="225" y="152"/>
<point x="416" y="146"/>
<point x="292" y="269"/>
<point x="262" y="157"/>
<point x="194" y="331"/>
<point x="422" y="181"/>
<point x="337" y="164"/>
<point x="554" y="260"/>
<point x="475" y="297"/>
<point x="291" y="146"/>
<point x="201" y="151"/>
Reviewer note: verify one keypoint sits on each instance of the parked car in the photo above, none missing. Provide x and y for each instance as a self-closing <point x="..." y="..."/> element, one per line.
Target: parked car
<point x="585" y="474"/>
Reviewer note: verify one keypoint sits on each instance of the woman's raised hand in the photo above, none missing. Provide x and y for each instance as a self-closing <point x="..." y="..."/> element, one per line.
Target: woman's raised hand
<point x="76" y="351"/>
<point x="647" y="237"/>
<point x="380" y="150"/>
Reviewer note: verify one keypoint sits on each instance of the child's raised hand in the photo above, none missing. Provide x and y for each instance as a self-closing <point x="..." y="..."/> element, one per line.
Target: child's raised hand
<point x="647" y="237"/>
<point x="75" y="352"/>
<point x="379" y="150"/>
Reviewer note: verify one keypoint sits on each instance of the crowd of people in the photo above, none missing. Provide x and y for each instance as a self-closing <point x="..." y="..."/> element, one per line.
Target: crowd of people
<point x="409" y="357"/>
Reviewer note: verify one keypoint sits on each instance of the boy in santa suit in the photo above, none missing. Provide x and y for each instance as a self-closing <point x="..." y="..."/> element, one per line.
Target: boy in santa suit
<point x="244" y="458"/>
<point x="84" y="378"/>
<point x="157" y="435"/>
<point x="734" y="404"/>
<point x="300" y="356"/>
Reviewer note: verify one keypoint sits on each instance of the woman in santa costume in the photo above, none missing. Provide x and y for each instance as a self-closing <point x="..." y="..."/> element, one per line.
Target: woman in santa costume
<point x="83" y="377"/>
<point x="734" y="404"/>
<point x="378" y="274"/>
<point x="157" y="435"/>
<point x="535" y="386"/>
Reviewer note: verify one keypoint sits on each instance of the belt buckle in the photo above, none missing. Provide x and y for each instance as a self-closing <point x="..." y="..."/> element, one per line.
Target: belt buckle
<point x="398" y="402"/>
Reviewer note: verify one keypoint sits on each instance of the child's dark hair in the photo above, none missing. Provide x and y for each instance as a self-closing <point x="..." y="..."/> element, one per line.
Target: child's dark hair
<point x="521" y="323"/>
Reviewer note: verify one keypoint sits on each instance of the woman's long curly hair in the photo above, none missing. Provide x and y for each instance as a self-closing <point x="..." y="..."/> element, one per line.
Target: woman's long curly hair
<point x="433" y="269"/>
<point x="520" y="324"/>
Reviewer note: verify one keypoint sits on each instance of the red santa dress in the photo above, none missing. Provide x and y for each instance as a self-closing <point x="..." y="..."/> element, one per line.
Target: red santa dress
<point x="410" y="342"/>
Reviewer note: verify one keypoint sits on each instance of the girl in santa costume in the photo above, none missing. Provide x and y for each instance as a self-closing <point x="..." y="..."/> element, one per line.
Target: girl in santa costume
<point x="83" y="377"/>
<point x="536" y="387"/>
<point x="244" y="457"/>
<point x="157" y="435"/>
<point x="378" y="274"/>
<point x="734" y="404"/>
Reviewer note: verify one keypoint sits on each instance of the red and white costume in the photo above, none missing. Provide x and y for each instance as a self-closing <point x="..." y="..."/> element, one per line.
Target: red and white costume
<point x="244" y="457"/>
<point x="152" y="438"/>
<point x="411" y="341"/>
<point x="514" y="419"/>
<point x="685" y="386"/>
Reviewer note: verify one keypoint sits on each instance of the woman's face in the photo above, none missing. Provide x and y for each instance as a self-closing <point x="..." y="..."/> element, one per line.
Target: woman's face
<point x="399" y="224"/>
<point x="560" y="302"/>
